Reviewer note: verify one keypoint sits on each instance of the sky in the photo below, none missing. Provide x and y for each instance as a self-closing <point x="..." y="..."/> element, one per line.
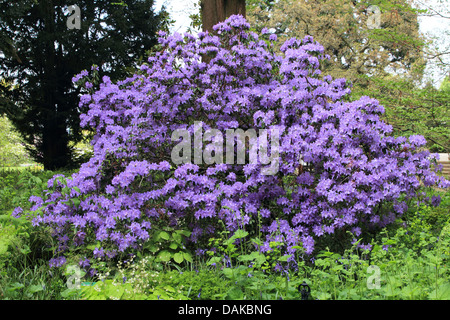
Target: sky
<point x="179" y="11"/>
<point x="429" y="25"/>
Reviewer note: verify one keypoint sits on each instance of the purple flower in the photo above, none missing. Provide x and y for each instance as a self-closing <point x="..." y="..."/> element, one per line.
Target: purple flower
<point x="17" y="212"/>
<point x="84" y="263"/>
<point x="436" y="201"/>
<point x="98" y="253"/>
<point x="57" y="262"/>
<point x="365" y="246"/>
<point x="199" y="252"/>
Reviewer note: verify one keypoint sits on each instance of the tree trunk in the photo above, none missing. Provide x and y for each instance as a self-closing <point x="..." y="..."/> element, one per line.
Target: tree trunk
<point x="55" y="142"/>
<point x="215" y="11"/>
<point x="55" y="150"/>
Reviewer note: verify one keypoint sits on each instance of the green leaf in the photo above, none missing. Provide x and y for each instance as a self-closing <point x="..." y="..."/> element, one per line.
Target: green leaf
<point x="256" y="256"/>
<point x="442" y="292"/>
<point x="246" y="257"/>
<point x="257" y="241"/>
<point x="176" y="237"/>
<point x="187" y="256"/>
<point x="163" y="235"/>
<point x="410" y="291"/>
<point x="164" y="256"/>
<point x="235" y="294"/>
<point x="35" y="288"/>
<point x="391" y="292"/>
<point x="323" y="296"/>
<point x="178" y="257"/>
<point x="240" y="234"/>
<point x="15" y="286"/>
<point x="93" y="246"/>
<point x="213" y="260"/>
<point x="228" y="272"/>
<point x="25" y="250"/>
<point x="114" y="292"/>
<point x="337" y="267"/>
<point x="237" y="235"/>
<point x="69" y="293"/>
<point x="152" y="247"/>
<point x="76" y="202"/>
<point x="284" y="258"/>
<point x="185" y="233"/>
<point x="169" y="289"/>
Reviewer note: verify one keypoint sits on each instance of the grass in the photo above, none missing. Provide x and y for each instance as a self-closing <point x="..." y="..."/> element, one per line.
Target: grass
<point x="32" y="167"/>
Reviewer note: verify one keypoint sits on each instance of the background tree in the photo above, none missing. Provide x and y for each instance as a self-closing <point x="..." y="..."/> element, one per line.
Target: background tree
<point x="386" y="62"/>
<point x="41" y="56"/>
<point x="341" y="26"/>
<point x="415" y="110"/>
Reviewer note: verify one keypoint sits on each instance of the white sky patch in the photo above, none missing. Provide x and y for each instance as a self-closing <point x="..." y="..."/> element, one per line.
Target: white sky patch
<point x="179" y="11"/>
<point x="436" y="26"/>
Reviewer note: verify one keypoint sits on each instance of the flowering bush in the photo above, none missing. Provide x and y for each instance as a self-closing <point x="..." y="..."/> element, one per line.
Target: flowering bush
<point x="339" y="166"/>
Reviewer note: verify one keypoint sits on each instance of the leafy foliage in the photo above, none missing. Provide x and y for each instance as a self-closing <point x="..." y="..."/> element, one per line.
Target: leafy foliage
<point x="12" y="151"/>
<point x="414" y="110"/>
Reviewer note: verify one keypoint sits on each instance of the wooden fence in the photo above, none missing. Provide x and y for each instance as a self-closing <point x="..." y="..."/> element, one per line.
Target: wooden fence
<point x="444" y="160"/>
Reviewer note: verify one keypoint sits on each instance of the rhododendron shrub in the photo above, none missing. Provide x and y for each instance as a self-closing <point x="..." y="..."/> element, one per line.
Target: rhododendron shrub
<point x="339" y="166"/>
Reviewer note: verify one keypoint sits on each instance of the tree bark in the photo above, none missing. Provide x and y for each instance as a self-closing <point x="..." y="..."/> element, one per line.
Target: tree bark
<point x="215" y="11"/>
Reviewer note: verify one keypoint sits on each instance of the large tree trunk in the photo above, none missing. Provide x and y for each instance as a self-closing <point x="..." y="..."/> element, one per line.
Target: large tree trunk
<point x="215" y="11"/>
<point x="56" y="153"/>
<point x="55" y="142"/>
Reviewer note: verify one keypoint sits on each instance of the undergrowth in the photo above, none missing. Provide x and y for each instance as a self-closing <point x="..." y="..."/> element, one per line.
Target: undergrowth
<point x="408" y="260"/>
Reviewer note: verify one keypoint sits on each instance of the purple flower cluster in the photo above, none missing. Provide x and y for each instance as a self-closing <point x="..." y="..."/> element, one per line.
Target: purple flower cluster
<point x="340" y="166"/>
